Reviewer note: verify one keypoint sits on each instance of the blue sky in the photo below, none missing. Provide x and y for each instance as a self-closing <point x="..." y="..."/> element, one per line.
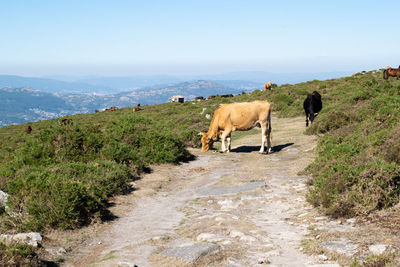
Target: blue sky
<point x="196" y="37"/>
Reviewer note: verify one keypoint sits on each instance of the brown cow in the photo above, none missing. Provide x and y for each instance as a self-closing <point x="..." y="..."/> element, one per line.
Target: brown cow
<point x="239" y="117"/>
<point x="267" y="86"/>
<point x="136" y="109"/>
<point x="28" y="129"/>
<point x="391" y="72"/>
<point x="198" y="98"/>
<point x="113" y="108"/>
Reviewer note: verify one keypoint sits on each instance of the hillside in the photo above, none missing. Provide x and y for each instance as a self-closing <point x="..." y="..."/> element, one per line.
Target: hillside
<point x="356" y="171"/>
<point x="20" y="105"/>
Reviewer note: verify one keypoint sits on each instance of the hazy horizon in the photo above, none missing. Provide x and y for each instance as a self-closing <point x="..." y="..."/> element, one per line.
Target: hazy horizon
<point x="128" y="38"/>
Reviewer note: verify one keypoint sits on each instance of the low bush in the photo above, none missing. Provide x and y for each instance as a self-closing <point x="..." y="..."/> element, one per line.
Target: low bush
<point x="18" y="255"/>
<point x="62" y="176"/>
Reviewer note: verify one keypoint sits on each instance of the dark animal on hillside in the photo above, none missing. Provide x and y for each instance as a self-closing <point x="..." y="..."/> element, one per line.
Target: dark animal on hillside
<point x="312" y="105"/>
<point x="230" y="95"/>
<point x="243" y="93"/>
<point x="198" y="98"/>
<point x="136" y="109"/>
<point x="391" y="72"/>
<point x="267" y="86"/>
<point x="66" y="121"/>
<point x="96" y="110"/>
<point x="211" y="97"/>
<point x="28" y="129"/>
<point x="138" y="105"/>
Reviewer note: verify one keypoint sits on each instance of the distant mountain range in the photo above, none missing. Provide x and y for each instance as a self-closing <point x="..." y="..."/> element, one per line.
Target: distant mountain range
<point x="117" y="84"/>
<point x="50" y="85"/>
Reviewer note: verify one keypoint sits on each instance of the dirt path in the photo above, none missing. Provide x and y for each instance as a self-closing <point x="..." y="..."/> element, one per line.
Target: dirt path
<point x="235" y="209"/>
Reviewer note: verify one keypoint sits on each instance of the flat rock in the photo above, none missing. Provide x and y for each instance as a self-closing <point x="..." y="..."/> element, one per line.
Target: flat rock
<point x="335" y="227"/>
<point x="341" y="246"/>
<point x="322" y="257"/>
<point x="226" y="190"/>
<point x="191" y="253"/>
<point x="3" y="199"/>
<point x="377" y="249"/>
<point x="31" y="239"/>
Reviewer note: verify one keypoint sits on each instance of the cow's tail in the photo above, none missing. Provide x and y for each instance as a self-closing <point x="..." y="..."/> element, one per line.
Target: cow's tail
<point x="269" y="131"/>
<point x="384" y="75"/>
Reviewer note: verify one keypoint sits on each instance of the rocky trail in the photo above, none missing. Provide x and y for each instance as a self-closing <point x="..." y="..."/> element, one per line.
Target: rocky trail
<point x="236" y="209"/>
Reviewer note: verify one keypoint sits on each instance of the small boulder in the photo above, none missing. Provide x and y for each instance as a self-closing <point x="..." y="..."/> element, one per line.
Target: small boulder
<point x="32" y="239"/>
<point x="377" y="249"/>
<point x="341" y="246"/>
<point x="3" y="199"/>
<point x="191" y="253"/>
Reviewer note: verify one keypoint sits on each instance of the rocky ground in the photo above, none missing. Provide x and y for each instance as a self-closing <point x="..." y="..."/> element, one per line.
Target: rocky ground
<point x="235" y="209"/>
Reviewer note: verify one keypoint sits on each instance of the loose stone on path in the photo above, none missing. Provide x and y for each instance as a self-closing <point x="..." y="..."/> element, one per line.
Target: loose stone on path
<point x="225" y="190"/>
<point x="191" y="253"/>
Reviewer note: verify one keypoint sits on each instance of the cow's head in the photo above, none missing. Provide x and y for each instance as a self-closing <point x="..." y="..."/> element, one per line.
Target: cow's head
<point x="206" y="142"/>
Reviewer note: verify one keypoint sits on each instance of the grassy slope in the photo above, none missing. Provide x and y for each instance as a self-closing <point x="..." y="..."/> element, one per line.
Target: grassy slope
<point x="94" y="158"/>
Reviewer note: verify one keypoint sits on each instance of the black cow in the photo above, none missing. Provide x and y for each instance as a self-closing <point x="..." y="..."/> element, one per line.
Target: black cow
<point x="312" y="105"/>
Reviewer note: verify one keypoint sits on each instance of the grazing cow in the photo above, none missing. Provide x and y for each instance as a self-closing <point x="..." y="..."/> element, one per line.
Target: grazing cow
<point x="136" y="109"/>
<point x="113" y="108"/>
<point x="28" y="129"/>
<point x="96" y="110"/>
<point x="198" y="98"/>
<point x="211" y="97"/>
<point x="391" y="72"/>
<point x="239" y="117"/>
<point x="267" y="86"/>
<point x="312" y="105"/>
<point x="66" y="121"/>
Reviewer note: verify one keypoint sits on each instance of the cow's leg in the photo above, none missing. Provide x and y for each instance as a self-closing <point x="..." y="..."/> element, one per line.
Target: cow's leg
<point x="312" y="116"/>
<point x="223" y="149"/>
<point x="225" y="134"/>
<point x="307" y="119"/>
<point x="263" y="137"/>
<point x="269" y="138"/>
<point x="229" y="142"/>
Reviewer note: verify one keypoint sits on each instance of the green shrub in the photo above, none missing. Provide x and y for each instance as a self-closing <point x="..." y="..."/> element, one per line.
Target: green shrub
<point x="62" y="176"/>
<point x="18" y="255"/>
<point x="357" y="168"/>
